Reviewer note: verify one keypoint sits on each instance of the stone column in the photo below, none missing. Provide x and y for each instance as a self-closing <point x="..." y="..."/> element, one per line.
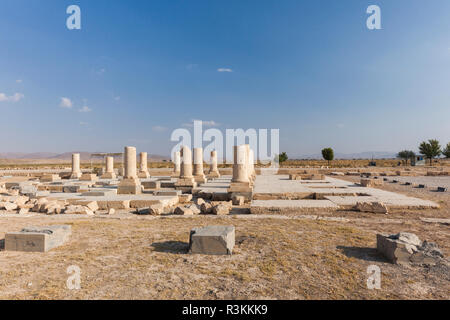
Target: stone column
<point x="177" y="163"/>
<point x="199" y="174"/>
<point x="130" y="183"/>
<point x="143" y="171"/>
<point x="186" y="180"/>
<point x="109" y="171"/>
<point x="213" y="170"/>
<point x="240" y="183"/>
<point x="240" y="174"/>
<point x="76" y="171"/>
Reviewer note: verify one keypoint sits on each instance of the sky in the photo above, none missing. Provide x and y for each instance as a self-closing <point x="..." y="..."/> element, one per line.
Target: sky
<point x="137" y="70"/>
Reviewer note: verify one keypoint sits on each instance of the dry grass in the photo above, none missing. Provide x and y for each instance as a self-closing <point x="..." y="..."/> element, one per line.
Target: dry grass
<point x="143" y="258"/>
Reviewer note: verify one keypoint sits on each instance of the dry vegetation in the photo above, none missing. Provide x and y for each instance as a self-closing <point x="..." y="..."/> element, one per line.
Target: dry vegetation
<point x="146" y="258"/>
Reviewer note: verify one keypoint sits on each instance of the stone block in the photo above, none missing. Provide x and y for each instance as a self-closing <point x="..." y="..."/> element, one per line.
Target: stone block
<point x="221" y="209"/>
<point x="374" y="207"/>
<point x="404" y="248"/>
<point x="238" y="200"/>
<point x="183" y="211"/>
<point x="151" y="184"/>
<point x="50" y="178"/>
<point x="184" y="198"/>
<point x="37" y="239"/>
<point x="129" y="186"/>
<point x="212" y="240"/>
<point x="91" y="177"/>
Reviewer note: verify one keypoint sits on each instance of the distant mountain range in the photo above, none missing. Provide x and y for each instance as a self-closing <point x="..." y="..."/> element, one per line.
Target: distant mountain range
<point x="85" y="156"/>
<point x="361" y="155"/>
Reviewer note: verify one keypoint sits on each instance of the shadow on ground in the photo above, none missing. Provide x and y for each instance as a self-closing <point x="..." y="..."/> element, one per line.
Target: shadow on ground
<point x="177" y="247"/>
<point x="2" y="244"/>
<point x="367" y="254"/>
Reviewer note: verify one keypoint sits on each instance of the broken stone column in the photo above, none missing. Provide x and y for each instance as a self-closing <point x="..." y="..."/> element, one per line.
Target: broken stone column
<point x="143" y="170"/>
<point x="213" y="170"/>
<point x="109" y="170"/>
<point x="214" y="240"/>
<point x="240" y="183"/>
<point x="76" y="171"/>
<point x="198" y="173"/>
<point x="177" y="164"/>
<point x="186" y="180"/>
<point x="130" y="183"/>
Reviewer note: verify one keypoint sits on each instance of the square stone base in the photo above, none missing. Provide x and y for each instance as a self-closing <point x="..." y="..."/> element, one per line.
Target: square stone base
<point x="109" y="175"/>
<point x="212" y="175"/>
<point x="50" y="178"/>
<point x="200" y="179"/>
<point x="129" y="186"/>
<point x="37" y="239"/>
<point x="89" y="177"/>
<point x="76" y="175"/>
<point x="143" y="175"/>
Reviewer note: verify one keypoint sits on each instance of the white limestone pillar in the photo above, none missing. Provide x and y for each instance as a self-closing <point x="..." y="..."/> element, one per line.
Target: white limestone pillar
<point x="143" y="169"/>
<point x="76" y="171"/>
<point x="240" y="174"/>
<point x="186" y="163"/>
<point x="130" y="184"/>
<point x="109" y="170"/>
<point x="213" y="170"/>
<point x="130" y="163"/>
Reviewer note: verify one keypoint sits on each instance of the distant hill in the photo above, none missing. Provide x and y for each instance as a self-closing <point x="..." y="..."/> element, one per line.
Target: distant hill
<point x="349" y="156"/>
<point x="66" y="156"/>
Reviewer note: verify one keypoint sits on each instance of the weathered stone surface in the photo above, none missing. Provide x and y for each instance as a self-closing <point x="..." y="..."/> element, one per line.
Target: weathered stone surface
<point x="213" y="240"/>
<point x="195" y="208"/>
<point x="199" y="201"/>
<point x="404" y="248"/>
<point x="151" y="184"/>
<point x="206" y="208"/>
<point x="8" y="206"/>
<point x="37" y="239"/>
<point x="238" y="200"/>
<point x="184" y="198"/>
<point x="184" y="211"/>
<point x="374" y="207"/>
<point x="221" y="209"/>
<point x="77" y="209"/>
<point x="156" y="210"/>
<point x="111" y="211"/>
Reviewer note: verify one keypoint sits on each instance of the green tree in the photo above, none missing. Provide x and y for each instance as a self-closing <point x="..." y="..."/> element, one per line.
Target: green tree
<point x="282" y="157"/>
<point x="446" y="151"/>
<point x="430" y="149"/>
<point x="328" y="154"/>
<point x="406" y="155"/>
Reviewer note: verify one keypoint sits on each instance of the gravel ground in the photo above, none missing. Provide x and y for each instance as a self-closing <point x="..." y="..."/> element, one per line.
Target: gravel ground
<point x="429" y="181"/>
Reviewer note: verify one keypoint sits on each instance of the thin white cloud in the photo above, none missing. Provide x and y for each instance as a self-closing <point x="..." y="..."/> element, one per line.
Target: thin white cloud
<point x="19" y="80"/>
<point x="85" y="109"/>
<point x="66" y="103"/>
<point x="224" y="70"/>
<point x="14" y="98"/>
<point x="191" y="66"/>
<point x="159" y="128"/>
<point x="83" y="123"/>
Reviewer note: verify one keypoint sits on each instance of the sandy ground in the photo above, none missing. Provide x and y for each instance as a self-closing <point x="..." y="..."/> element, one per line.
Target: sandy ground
<point x="274" y="258"/>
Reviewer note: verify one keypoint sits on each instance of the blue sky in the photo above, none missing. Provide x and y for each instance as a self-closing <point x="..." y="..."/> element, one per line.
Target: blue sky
<point x="137" y="70"/>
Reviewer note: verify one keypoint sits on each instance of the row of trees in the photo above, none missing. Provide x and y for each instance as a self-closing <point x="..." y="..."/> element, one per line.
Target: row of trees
<point x="429" y="149"/>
